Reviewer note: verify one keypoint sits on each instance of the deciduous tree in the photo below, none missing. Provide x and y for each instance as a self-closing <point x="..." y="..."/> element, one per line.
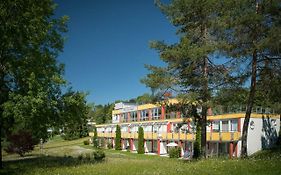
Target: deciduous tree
<point x="31" y="39"/>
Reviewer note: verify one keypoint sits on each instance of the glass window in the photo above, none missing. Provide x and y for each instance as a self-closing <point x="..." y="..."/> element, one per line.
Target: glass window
<point x="216" y="126"/>
<point x="144" y="115"/>
<point x="156" y="113"/>
<point x="124" y="117"/>
<point x="234" y="125"/>
<point x="133" y="116"/>
<point x="224" y="125"/>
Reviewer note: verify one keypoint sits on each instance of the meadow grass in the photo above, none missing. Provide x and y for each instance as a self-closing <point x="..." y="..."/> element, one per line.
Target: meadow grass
<point x="66" y="161"/>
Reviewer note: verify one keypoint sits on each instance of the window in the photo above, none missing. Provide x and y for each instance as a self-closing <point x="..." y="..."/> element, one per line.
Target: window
<point x="133" y="116"/>
<point x="216" y="126"/>
<point x="144" y="115"/>
<point x="234" y="125"/>
<point x="124" y="117"/>
<point x="156" y="113"/>
<point x="224" y="125"/>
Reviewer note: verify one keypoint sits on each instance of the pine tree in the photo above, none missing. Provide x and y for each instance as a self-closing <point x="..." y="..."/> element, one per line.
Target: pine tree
<point x="118" y="138"/>
<point x="190" y="68"/>
<point x="250" y="30"/>
<point x="140" y="140"/>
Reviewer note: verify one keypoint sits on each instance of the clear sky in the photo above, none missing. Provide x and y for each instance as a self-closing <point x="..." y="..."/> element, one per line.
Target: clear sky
<point x="108" y="44"/>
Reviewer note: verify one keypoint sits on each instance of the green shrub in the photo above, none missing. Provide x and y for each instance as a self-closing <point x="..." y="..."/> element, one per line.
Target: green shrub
<point x="99" y="155"/>
<point x="95" y="138"/>
<point x="20" y="143"/>
<point x="174" y="152"/>
<point x="140" y="141"/>
<point x="102" y="143"/>
<point x="86" y="142"/>
<point x="197" y="143"/>
<point x="80" y="157"/>
<point x="109" y="145"/>
<point x="88" y="156"/>
<point x="118" y="138"/>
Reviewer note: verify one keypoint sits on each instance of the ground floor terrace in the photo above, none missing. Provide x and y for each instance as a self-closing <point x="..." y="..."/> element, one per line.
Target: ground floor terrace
<point x="161" y="147"/>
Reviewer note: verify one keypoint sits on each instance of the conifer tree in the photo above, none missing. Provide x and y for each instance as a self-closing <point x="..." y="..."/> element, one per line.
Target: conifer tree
<point x="118" y="138"/>
<point x="140" y="141"/>
<point x="190" y="68"/>
<point x="250" y="31"/>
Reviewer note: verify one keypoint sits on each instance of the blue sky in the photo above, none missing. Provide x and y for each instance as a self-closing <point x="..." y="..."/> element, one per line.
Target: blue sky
<point x="108" y="44"/>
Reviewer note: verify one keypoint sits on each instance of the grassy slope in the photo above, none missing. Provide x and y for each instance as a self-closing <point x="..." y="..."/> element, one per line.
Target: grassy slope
<point x="119" y="162"/>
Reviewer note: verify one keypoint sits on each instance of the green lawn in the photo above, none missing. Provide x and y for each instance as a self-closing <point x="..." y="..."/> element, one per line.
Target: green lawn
<point x="61" y="157"/>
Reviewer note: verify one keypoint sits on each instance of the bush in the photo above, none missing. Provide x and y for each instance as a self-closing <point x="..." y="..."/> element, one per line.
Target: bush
<point x="109" y="145"/>
<point x="95" y="138"/>
<point x="86" y="142"/>
<point x="80" y="157"/>
<point x="102" y="142"/>
<point x="99" y="155"/>
<point x="197" y="143"/>
<point x="140" y="141"/>
<point x="20" y="143"/>
<point x="118" y="138"/>
<point x="174" y="152"/>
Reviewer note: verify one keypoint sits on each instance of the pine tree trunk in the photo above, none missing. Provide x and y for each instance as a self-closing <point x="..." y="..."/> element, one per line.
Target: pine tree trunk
<point x="204" y="108"/>
<point x="203" y="132"/>
<point x="1" y="164"/>
<point x="205" y="97"/>
<point x="1" y="112"/>
<point x="249" y="105"/>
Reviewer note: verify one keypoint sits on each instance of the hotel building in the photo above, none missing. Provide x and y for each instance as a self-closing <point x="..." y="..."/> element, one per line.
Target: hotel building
<point x="224" y="130"/>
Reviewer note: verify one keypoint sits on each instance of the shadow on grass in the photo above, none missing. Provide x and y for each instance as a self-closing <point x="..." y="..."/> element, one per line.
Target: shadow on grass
<point x="22" y="166"/>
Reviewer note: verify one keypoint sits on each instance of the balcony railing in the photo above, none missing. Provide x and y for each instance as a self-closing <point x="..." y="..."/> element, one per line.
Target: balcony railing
<point x="218" y="110"/>
<point x="211" y="136"/>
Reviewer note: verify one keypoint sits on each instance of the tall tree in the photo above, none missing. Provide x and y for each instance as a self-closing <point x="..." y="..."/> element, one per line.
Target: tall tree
<point x="190" y="66"/>
<point x="30" y="42"/>
<point x="118" y="138"/>
<point x="250" y="32"/>
<point x="140" y="140"/>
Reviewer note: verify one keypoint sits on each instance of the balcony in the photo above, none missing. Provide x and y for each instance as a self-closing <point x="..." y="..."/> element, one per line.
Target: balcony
<point x="223" y="136"/>
<point x="211" y="136"/>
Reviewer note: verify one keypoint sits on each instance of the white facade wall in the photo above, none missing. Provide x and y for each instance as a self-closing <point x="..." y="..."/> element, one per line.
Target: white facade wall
<point x="262" y="134"/>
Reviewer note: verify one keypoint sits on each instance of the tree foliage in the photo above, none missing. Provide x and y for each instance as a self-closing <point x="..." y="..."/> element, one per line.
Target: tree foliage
<point x="140" y="140"/>
<point x="218" y="41"/>
<point x="197" y="143"/>
<point x="102" y="113"/>
<point x="74" y="115"/>
<point x="30" y="39"/>
<point x="118" y="138"/>
<point x="190" y="62"/>
<point x="20" y="143"/>
<point x="249" y="31"/>
<point x="95" y="138"/>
